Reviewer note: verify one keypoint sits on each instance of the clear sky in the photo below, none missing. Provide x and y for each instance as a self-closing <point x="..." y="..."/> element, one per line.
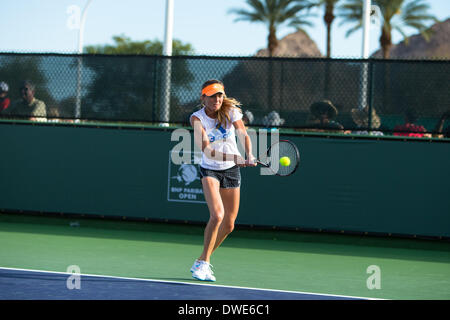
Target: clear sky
<point x="47" y="26"/>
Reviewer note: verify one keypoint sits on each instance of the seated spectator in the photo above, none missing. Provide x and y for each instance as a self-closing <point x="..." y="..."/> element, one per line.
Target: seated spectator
<point x="409" y="128"/>
<point x="29" y="105"/>
<point x="361" y="119"/>
<point x="273" y="119"/>
<point x="446" y="132"/>
<point x="438" y="130"/>
<point x="248" y="118"/>
<point x="322" y="115"/>
<point x="4" y="100"/>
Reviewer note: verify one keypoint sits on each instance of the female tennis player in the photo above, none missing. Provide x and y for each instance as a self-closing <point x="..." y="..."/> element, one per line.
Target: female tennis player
<point x="216" y="126"/>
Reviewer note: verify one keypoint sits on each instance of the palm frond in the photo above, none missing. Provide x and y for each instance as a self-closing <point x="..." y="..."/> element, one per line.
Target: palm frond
<point x="396" y="14"/>
<point x="300" y="21"/>
<point x="350" y="13"/>
<point x="274" y="13"/>
<point x="246" y="16"/>
<point x="352" y="30"/>
<point x="401" y="31"/>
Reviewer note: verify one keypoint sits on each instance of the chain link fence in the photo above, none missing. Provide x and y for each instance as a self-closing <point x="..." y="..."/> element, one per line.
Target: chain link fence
<point x="373" y="95"/>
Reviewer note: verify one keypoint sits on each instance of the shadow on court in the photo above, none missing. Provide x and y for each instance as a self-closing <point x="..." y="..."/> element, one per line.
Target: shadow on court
<point x="34" y="285"/>
<point x="319" y="263"/>
<point x="336" y="244"/>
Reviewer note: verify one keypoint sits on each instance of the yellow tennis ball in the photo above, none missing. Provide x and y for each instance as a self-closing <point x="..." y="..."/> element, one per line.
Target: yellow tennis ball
<point x="285" y="161"/>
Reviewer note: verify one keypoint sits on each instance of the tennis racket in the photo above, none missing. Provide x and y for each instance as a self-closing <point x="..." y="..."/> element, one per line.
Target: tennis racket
<point x="286" y="149"/>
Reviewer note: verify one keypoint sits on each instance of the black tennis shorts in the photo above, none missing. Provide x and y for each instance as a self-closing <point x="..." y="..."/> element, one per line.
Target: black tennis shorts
<point x="228" y="178"/>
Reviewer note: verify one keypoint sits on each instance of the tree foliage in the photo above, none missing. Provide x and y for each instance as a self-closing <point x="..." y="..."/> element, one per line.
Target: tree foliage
<point x="274" y="13"/>
<point x="396" y="15"/>
<point x="124" y="45"/>
<point x="128" y="88"/>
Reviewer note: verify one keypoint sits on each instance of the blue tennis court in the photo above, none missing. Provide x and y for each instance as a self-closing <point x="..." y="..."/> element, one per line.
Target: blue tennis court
<point x="21" y="284"/>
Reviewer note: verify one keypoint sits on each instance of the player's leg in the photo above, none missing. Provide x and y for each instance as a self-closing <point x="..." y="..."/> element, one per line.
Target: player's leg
<point x="211" y="187"/>
<point x="230" y="199"/>
<point x="201" y="269"/>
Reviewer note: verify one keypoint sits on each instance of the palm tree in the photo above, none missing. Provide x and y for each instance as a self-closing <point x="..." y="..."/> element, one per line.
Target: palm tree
<point x="328" y="17"/>
<point x="396" y="15"/>
<point x="273" y="13"/>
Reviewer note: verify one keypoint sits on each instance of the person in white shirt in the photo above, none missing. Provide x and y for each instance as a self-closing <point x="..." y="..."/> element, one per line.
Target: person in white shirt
<point x="216" y="126"/>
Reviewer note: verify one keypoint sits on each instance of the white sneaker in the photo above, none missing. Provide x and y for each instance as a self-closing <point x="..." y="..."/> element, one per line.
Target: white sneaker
<point x="201" y="270"/>
<point x="195" y="266"/>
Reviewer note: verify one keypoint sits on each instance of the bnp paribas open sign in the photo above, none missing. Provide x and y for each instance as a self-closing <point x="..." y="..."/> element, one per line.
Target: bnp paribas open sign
<point x="184" y="180"/>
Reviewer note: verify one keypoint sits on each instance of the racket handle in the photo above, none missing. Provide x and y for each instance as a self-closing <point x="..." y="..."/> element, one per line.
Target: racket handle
<point x="261" y="163"/>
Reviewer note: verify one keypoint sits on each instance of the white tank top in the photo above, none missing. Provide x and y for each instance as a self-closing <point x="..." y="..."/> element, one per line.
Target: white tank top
<point x="220" y="138"/>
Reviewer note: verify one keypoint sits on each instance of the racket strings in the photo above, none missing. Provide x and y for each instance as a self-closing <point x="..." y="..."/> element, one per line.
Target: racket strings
<point x="284" y="149"/>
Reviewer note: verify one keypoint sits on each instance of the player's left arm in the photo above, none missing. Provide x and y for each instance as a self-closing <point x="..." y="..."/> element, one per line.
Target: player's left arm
<point x="245" y="141"/>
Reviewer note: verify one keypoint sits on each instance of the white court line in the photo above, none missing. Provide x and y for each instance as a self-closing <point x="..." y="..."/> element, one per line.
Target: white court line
<point x="195" y="284"/>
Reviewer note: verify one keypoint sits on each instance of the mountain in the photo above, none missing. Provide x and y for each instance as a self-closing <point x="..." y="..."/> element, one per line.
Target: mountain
<point x="438" y="47"/>
<point x="297" y="44"/>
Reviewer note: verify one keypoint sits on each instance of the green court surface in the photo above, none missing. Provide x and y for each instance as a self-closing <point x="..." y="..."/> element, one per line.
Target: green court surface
<point x="295" y="261"/>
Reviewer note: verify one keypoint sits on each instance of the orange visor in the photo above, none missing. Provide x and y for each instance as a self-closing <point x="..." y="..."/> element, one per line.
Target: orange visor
<point x="212" y="89"/>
